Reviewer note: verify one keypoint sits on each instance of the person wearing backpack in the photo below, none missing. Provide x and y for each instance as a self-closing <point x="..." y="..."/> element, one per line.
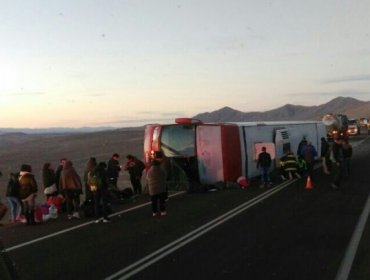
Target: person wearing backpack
<point x="135" y="168"/>
<point x="98" y="182"/>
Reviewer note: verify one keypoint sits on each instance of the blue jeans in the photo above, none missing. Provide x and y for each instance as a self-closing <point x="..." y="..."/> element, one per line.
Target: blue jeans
<point x="265" y="174"/>
<point x="14" y="206"/>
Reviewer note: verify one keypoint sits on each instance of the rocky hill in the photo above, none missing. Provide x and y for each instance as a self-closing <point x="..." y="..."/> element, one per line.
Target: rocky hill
<point x="352" y="107"/>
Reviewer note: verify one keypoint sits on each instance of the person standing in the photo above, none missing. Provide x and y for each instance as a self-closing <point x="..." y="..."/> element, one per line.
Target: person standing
<point x="100" y="192"/>
<point x="135" y="168"/>
<point x="71" y="186"/>
<point x="90" y="166"/>
<point x="58" y="172"/>
<point x="347" y="155"/>
<point x="309" y="154"/>
<point x="113" y="171"/>
<point x="264" y="164"/>
<point x="27" y="192"/>
<point x="324" y="150"/>
<point x="48" y="180"/>
<point x="156" y="181"/>
<point x="301" y="145"/>
<point x="12" y="196"/>
<point x="336" y="158"/>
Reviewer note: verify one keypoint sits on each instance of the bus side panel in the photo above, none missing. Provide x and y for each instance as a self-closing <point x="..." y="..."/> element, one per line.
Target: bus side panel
<point x="209" y="154"/>
<point x="231" y="153"/>
<point x="311" y="131"/>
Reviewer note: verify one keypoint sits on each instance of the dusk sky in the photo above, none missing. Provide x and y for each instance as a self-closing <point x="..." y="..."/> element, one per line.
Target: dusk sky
<point x="96" y="63"/>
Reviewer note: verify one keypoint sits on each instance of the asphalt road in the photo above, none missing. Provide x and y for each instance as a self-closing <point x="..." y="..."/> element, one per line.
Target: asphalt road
<point x="285" y="232"/>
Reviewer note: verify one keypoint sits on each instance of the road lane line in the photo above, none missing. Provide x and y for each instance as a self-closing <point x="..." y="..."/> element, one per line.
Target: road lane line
<point x="148" y="260"/>
<point x="78" y="226"/>
<point x="360" y="143"/>
<point x="346" y="264"/>
<point x="350" y="254"/>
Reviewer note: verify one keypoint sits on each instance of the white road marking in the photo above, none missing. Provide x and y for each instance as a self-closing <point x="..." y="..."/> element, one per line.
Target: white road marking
<point x="140" y="265"/>
<point x="143" y="263"/>
<point x="350" y="254"/>
<point x="78" y="226"/>
<point x="351" y="251"/>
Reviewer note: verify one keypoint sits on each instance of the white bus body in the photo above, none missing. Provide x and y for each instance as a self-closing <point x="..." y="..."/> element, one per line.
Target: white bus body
<point x="214" y="152"/>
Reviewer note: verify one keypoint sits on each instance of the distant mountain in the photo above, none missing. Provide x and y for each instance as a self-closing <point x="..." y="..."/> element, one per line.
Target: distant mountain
<point x="352" y="107"/>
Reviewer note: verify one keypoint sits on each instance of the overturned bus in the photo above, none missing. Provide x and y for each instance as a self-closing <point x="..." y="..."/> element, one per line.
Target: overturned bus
<point x="207" y="153"/>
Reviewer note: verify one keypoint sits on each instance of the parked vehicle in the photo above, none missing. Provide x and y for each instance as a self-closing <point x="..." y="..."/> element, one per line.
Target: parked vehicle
<point x="353" y="127"/>
<point x="365" y="125"/>
<point x="336" y="125"/>
<point x="208" y="153"/>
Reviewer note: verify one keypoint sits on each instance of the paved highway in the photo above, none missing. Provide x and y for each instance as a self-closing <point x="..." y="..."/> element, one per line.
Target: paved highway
<point x="285" y="232"/>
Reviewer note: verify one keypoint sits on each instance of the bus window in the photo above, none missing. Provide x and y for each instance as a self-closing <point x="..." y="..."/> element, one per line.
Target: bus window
<point x="178" y="140"/>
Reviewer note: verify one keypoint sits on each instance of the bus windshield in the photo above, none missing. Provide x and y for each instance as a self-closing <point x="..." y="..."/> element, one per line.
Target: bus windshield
<point x="178" y="140"/>
<point x="352" y="122"/>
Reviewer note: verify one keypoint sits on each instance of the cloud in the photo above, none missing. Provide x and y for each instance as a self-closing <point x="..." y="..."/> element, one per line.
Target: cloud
<point x="161" y="114"/>
<point x="96" y="94"/>
<point x="147" y="118"/>
<point x="343" y="93"/>
<point x="28" y="93"/>
<point x="134" y="122"/>
<point x="346" y="79"/>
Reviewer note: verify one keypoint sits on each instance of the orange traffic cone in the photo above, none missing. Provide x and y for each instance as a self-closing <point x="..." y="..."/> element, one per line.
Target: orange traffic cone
<point x="308" y="183"/>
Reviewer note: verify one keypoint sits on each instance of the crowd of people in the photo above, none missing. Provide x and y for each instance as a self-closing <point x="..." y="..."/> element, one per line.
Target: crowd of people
<point x="335" y="155"/>
<point x="63" y="187"/>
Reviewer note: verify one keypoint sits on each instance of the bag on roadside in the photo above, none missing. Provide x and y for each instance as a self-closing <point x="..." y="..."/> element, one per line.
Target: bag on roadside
<point x="50" y="190"/>
<point x="38" y="214"/>
<point x="57" y="201"/>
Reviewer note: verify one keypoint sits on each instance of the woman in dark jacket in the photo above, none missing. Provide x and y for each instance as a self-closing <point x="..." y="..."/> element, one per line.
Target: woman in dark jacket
<point x="48" y="180"/>
<point x="27" y="192"/>
<point x="70" y="183"/>
<point x="90" y="165"/>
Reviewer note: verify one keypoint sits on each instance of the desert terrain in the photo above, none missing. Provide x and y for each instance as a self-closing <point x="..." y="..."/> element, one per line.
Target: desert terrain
<point x="19" y="148"/>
